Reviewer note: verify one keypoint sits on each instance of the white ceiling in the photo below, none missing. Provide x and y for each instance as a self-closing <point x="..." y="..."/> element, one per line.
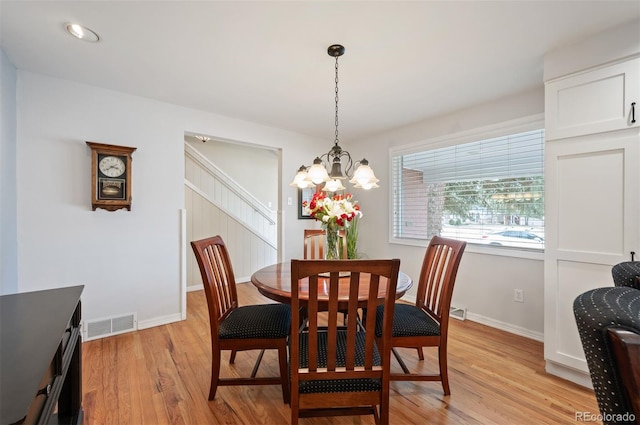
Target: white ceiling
<point x="266" y="61"/>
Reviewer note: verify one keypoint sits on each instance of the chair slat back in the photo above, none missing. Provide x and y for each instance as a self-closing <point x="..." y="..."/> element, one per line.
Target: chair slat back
<point x="217" y="277"/>
<point x="438" y="275"/>
<point x="314" y="244"/>
<point x="325" y="291"/>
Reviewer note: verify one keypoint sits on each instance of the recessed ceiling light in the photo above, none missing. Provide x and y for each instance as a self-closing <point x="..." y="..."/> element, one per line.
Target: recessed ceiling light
<point x="83" y="33"/>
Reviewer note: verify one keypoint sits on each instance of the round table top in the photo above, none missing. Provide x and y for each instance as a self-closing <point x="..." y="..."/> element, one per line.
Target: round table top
<point x="274" y="282"/>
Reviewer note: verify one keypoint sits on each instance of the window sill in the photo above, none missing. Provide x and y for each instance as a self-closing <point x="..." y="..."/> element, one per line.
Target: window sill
<point x="502" y="251"/>
<point x="505" y="251"/>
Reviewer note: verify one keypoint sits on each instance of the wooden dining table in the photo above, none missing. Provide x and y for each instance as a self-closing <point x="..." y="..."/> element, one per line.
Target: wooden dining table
<point x="274" y="282"/>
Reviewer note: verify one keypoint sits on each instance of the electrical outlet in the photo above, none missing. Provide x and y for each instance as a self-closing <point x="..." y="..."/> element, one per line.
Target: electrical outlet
<point x="518" y="295"/>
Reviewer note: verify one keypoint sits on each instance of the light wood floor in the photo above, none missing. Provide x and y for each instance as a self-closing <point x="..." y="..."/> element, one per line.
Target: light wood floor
<point x="161" y="376"/>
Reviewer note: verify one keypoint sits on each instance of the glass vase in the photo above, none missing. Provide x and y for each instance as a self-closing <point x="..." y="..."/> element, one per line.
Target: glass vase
<point x="332" y="242"/>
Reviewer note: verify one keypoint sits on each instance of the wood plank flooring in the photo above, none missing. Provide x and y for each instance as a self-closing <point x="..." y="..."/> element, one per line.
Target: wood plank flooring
<point x="161" y="376"/>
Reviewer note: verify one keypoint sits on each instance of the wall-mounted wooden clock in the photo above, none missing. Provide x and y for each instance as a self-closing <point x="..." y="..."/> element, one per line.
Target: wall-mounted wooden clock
<point x="110" y="176"/>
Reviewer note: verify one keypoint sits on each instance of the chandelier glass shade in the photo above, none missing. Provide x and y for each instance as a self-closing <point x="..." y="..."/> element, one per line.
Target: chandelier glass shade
<point x="315" y="174"/>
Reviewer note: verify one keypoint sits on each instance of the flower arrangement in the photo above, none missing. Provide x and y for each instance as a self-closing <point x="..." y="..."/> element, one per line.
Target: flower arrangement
<point x="336" y="213"/>
<point x="337" y="210"/>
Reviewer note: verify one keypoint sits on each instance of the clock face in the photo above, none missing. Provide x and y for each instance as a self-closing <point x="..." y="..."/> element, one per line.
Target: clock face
<point x="112" y="166"/>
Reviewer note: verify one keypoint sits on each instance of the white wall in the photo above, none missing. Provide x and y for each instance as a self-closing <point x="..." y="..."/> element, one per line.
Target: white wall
<point x="8" y="217"/>
<point x="610" y="45"/>
<point x="485" y="281"/>
<point x="129" y="261"/>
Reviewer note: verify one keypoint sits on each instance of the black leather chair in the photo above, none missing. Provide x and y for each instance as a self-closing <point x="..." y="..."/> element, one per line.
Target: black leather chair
<point x="608" y="321"/>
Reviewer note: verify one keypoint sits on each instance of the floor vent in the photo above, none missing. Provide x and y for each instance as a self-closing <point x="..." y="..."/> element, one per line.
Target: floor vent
<point x="458" y="313"/>
<point x="110" y="326"/>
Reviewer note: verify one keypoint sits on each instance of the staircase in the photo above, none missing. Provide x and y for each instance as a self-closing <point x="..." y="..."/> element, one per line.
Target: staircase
<point x="217" y="205"/>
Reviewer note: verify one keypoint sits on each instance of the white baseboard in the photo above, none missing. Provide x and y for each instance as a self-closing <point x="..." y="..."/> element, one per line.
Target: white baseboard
<point x="507" y="327"/>
<point x="158" y="321"/>
<point x="199" y="286"/>
<point x="196" y="287"/>
<point x="577" y="376"/>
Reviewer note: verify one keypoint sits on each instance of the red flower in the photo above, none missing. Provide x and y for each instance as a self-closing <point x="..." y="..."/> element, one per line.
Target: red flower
<point x="337" y="209"/>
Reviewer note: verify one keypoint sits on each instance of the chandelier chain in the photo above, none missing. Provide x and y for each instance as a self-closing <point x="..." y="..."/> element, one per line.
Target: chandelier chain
<point x="336" y="140"/>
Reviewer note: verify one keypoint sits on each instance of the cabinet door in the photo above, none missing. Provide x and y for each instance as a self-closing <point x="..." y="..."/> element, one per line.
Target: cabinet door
<point x="593" y="101"/>
<point x="592" y="213"/>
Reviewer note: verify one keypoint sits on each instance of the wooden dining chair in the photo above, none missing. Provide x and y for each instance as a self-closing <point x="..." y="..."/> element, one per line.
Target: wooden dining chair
<point x="314" y="241"/>
<point x="341" y="370"/>
<point x="426" y="323"/>
<point x="236" y="328"/>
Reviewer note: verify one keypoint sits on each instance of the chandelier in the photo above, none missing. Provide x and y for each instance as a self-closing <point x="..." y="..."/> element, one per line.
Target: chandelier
<point x="362" y="178"/>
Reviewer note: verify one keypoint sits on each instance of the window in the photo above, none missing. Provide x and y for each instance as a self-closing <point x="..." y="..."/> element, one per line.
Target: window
<point x="488" y="191"/>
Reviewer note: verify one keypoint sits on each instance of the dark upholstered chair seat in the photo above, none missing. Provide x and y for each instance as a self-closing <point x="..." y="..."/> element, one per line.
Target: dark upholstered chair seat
<point x="340" y="385"/>
<point x="626" y="274"/>
<point x="256" y="322"/>
<point x="408" y="320"/>
<point x="596" y="311"/>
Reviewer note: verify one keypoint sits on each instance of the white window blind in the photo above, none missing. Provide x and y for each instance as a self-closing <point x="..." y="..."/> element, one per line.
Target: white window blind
<point x="488" y="191"/>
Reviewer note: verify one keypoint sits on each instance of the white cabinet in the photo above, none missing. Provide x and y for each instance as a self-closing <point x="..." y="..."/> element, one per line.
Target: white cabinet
<point x="593" y="101"/>
<point x="592" y="195"/>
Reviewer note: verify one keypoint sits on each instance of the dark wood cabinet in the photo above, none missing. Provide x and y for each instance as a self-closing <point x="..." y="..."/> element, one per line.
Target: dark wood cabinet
<point x="41" y="357"/>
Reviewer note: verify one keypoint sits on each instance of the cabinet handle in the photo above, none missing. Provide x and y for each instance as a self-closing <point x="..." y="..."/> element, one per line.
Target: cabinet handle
<point x="633" y="112"/>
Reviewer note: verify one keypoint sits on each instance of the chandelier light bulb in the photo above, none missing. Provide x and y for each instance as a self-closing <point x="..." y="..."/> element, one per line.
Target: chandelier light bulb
<point x="301" y="179"/>
<point x="366" y="186"/>
<point x="333" y="186"/>
<point x="317" y="173"/>
<point x="364" y="176"/>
